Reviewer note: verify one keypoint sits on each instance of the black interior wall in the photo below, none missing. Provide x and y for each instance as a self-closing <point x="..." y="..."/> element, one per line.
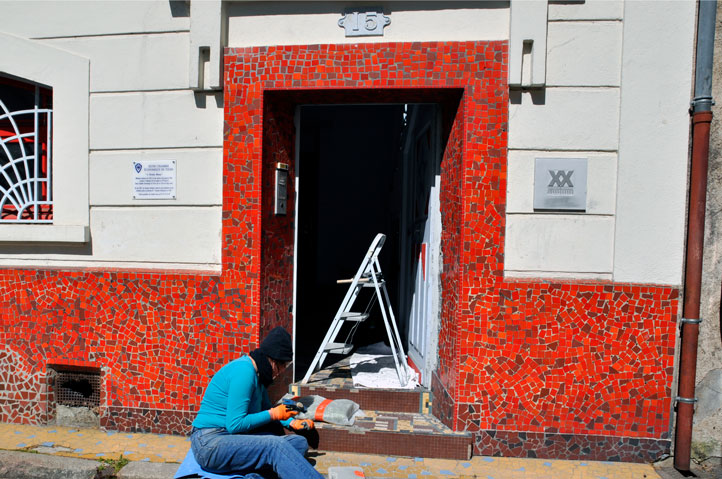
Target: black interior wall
<point x="350" y="190"/>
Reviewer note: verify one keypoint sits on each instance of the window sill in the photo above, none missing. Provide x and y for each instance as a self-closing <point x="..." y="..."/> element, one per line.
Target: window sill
<point x="44" y="234"/>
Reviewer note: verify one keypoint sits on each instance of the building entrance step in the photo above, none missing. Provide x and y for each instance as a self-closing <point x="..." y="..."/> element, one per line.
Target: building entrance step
<point x="396" y="400"/>
<point x="397" y="434"/>
<point x="395" y="422"/>
<point x="335" y="382"/>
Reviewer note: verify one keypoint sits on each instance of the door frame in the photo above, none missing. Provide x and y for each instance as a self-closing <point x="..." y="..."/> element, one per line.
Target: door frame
<point x="426" y="363"/>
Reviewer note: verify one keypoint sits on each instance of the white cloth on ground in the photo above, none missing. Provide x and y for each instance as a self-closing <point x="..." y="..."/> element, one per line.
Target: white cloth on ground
<point x="373" y="366"/>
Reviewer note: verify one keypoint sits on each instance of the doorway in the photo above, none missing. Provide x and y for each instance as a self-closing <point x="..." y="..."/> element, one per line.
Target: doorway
<point x="368" y="169"/>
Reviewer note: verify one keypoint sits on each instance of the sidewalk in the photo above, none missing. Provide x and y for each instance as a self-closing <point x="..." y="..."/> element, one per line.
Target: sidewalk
<point x="156" y="456"/>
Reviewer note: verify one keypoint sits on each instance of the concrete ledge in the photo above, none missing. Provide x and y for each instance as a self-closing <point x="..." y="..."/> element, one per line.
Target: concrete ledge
<point x="148" y="470"/>
<point x="22" y="465"/>
<point x="40" y="233"/>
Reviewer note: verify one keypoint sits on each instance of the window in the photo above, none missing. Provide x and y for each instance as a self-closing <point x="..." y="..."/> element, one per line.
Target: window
<point x="45" y="158"/>
<point x="25" y="152"/>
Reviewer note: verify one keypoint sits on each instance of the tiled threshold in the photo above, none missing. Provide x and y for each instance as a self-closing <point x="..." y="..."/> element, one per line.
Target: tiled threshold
<point x="394" y="421"/>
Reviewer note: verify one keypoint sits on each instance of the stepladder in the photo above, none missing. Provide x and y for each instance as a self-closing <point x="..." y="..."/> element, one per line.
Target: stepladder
<point x="368" y="275"/>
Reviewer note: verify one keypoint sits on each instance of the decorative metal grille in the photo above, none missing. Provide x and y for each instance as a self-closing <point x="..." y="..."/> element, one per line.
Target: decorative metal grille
<point x="26" y="194"/>
<point x="77" y="389"/>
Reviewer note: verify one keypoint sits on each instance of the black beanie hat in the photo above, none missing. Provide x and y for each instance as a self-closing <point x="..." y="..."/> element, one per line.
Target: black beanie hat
<point x="278" y="345"/>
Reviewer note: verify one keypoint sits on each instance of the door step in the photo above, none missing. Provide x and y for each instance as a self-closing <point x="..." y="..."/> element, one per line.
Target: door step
<point x="335" y="382"/>
<point x="395" y="421"/>
<point x="413" y="401"/>
<point x="395" y="434"/>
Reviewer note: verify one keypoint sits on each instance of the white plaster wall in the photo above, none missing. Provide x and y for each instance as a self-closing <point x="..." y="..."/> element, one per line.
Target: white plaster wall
<point x="587" y="10"/>
<point x="185" y="237"/>
<point x="653" y="150"/>
<point x="155" y="120"/>
<point x="179" y="234"/>
<point x="575" y="116"/>
<point x="195" y="167"/>
<point x="138" y="105"/>
<point x="552" y="244"/>
<point x="297" y="23"/>
<point x="133" y="62"/>
<point x="606" y="60"/>
<point x="564" y="119"/>
<point x="618" y="89"/>
<point x="72" y="18"/>
<point x="601" y="180"/>
<point x="584" y="53"/>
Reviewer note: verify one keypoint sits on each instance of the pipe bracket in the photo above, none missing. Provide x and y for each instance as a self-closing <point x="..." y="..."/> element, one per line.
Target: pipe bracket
<point x="690" y="321"/>
<point x="685" y="400"/>
<point x="702" y="99"/>
<point x="701" y="103"/>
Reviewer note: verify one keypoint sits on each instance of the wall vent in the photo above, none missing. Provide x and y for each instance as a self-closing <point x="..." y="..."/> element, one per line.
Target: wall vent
<point x="77" y="389"/>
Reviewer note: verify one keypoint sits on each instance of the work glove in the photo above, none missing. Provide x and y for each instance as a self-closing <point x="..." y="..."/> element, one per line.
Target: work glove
<point x="281" y="413"/>
<point x="301" y="424"/>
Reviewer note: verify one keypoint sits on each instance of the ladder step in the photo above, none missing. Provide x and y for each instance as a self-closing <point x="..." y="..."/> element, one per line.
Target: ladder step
<point x="368" y="275"/>
<point x="350" y="316"/>
<point x="338" y="348"/>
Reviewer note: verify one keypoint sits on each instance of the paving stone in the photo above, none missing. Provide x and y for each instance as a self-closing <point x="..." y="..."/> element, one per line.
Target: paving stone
<point x="147" y="470"/>
<point x="22" y="465"/>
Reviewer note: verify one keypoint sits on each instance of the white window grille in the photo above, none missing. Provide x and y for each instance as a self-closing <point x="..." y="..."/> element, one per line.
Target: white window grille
<point x="26" y="194"/>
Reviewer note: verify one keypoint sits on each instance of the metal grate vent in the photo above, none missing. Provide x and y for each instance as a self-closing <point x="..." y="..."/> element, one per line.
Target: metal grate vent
<point x="77" y="389"/>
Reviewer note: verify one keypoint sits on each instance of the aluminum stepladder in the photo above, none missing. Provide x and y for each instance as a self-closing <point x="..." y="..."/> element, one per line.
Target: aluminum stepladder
<point x="368" y="276"/>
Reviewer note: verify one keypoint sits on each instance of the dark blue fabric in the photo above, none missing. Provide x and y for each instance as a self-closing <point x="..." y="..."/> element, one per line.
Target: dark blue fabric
<point x="268" y="455"/>
<point x="190" y="468"/>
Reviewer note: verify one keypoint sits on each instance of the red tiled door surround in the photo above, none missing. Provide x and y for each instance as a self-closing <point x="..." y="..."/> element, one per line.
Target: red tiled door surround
<point x="556" y="369"/>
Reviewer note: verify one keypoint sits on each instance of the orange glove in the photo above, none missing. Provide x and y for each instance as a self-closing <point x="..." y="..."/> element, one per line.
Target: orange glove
<point x="301" y="424"/>
<point x="281" y="413"/>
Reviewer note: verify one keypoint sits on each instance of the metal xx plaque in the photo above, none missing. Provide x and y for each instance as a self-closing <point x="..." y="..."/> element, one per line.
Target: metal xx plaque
<point x="560" y="184"/>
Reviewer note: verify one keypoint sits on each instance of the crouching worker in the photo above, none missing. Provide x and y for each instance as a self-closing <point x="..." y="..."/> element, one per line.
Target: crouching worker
<point x="236" y="427"/>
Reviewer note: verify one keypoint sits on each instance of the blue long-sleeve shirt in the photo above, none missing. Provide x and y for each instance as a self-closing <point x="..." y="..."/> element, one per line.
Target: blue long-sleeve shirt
<point x="235" y="399"/>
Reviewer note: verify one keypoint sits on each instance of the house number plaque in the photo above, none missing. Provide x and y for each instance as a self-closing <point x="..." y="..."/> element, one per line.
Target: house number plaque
<point x="367" y="23"/>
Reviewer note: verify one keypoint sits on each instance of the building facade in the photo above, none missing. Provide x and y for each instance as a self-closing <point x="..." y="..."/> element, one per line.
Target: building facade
<point x="147" y="240"/>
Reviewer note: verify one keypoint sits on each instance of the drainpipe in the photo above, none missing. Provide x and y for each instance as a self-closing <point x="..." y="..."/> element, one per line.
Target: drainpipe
<point x="701" y="118"/>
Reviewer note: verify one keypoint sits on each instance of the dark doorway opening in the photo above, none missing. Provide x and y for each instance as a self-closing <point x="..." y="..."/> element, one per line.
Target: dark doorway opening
<point x="356" y="178"/>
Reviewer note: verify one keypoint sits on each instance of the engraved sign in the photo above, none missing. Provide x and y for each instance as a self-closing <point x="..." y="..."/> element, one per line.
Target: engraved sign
<point x="154" y="180"/>
<point x="560" y="184"/>
<point x="364" y="22"/>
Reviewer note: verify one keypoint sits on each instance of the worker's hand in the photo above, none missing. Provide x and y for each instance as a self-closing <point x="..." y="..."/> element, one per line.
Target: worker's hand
<point x="281" y="413"/>
<point x="302" y="424"/>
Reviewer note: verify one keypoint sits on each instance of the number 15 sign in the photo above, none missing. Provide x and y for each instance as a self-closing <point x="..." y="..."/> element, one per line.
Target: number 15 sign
<point x="370" y="22"/>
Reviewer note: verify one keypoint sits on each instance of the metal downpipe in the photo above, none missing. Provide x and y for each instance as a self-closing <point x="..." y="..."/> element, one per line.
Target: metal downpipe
<point x="701" y="120"/>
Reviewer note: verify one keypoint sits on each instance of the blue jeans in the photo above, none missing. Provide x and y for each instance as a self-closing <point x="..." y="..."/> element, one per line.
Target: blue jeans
<point x="219" y="451"/>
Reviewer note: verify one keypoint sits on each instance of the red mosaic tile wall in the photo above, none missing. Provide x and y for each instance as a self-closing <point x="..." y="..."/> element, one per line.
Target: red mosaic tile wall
<point x="157" y="338"/>
<point x="451" y="201"/>
<point x="369" y="67"/>
<point x="277" y="240"/>
<point x="24" y="394"/>
<point x="569" y="358"/>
